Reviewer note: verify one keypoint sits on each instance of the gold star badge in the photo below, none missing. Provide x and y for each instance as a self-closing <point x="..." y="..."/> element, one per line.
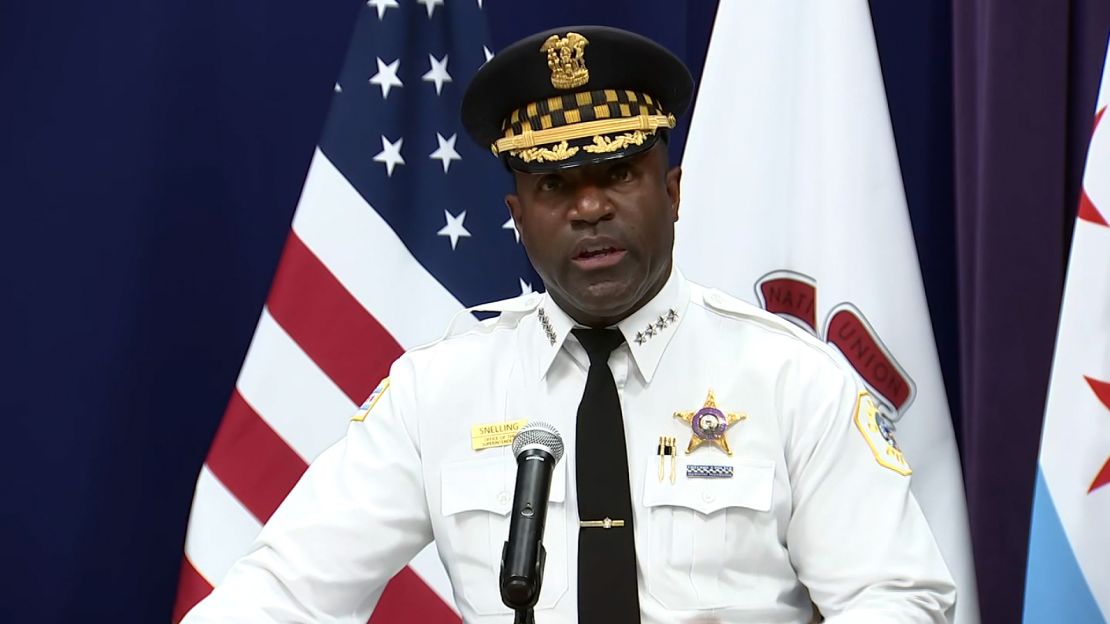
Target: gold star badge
<point x="709" y="425"/>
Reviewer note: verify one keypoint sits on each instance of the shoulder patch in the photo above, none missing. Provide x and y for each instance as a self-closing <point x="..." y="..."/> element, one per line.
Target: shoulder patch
<point x="371" y="401"/>
<point x="878" y="432"/>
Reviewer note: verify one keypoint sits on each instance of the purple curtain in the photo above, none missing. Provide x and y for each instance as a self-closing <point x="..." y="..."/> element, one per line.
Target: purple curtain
<point x="1025" y="81"/>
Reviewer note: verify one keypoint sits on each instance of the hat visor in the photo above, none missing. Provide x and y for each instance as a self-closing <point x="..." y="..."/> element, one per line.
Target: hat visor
<point x="580" y="152"/>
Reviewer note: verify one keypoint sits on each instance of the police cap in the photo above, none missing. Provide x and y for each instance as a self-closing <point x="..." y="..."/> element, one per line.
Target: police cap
<point x="575" y="95"/>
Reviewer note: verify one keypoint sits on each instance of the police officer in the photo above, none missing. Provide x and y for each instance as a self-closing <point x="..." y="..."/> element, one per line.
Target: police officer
<point x="722" y="465"/>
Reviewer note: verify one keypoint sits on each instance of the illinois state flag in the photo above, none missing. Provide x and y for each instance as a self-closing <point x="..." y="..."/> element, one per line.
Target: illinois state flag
<point x="398" y="229"/>
<point x="792" y="197"/>
<point x="1069" y="549"/>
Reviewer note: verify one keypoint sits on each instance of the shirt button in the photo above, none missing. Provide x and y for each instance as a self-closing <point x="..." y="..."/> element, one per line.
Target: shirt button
<point x="707" y="497"/>
<point x="503" y="498"/>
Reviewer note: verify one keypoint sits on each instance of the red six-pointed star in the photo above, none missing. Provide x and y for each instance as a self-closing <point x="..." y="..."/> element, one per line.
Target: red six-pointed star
<point x="1102" y="391"/>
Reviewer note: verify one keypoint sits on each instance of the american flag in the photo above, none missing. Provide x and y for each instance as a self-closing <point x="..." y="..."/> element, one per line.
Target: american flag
<point x="401" y="224"/>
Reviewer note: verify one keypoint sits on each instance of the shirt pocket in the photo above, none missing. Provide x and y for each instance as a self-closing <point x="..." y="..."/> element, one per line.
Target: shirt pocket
<point x="476" y="498"/>
<point x="692" y="531"/>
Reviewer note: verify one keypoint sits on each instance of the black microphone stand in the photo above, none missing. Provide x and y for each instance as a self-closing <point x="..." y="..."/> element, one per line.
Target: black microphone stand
<point x="523" y="609"/>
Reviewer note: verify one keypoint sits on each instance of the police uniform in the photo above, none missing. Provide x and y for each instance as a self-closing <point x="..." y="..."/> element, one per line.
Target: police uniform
<point x="763" y="488"/>
<point x="808" y="513"/>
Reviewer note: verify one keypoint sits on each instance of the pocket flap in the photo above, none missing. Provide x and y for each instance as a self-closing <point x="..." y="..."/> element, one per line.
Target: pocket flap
<point x="751" y="486"/>
<point x="487" y="484"/>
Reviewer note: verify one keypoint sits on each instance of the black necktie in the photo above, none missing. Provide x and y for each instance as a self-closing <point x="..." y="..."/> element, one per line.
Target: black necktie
<point x="607" y="586"/>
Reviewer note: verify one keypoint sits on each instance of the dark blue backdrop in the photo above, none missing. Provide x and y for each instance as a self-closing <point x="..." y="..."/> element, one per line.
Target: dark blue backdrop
<point x="152" y="156"/>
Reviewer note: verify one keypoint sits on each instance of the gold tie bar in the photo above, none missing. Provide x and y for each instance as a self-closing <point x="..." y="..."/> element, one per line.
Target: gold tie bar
<point x="600" y="524"/>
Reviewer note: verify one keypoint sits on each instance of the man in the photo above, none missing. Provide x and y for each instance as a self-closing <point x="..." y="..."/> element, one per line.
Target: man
<point x="722" y="466"/>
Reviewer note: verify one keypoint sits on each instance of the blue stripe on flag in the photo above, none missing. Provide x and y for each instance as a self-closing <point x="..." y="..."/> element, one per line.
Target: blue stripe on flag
<point x="1055" y="589"/>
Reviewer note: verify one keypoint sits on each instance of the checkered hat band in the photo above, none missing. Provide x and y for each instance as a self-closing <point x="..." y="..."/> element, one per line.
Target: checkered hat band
<point x="571" y="108"/>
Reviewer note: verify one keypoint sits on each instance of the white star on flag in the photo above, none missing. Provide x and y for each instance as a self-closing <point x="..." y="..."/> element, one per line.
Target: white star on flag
<point x="386" y="78"/>
<point x="525" y="287"/>
<point x="438" y="73"/>
<point x="430" y="5"/>
<point x="338" y="89"/>
<point x="511" y="225"/>
<point x="390" y="155"/>
<point x="488" y="54"/>
<point x="381" y="6"/>
<point x="454" y="228"/>
<point x="446" y="151"/>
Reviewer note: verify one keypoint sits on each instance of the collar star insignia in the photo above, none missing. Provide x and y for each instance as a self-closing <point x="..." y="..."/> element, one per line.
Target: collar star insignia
<point x="709" y="425"/>
<point x="548" y="330"/>
<point x="656" y="328"/>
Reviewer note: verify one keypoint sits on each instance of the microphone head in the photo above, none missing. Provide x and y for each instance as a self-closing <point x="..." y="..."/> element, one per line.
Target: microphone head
<point x="539" y="434"/>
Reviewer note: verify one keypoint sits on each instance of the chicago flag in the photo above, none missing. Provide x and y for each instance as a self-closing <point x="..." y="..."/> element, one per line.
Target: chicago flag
<point x="1069" y="550"/>
<point x="792" y="198"/>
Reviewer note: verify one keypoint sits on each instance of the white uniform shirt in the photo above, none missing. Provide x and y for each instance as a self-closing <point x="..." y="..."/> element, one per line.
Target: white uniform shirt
<point x="809" y="517"/>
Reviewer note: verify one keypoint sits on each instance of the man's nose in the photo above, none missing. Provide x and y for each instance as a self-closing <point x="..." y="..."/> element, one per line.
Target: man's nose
<point x="591" y="204"/>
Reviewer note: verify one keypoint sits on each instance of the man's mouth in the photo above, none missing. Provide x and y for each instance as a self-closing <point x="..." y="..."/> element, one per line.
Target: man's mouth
<point x="597" y="256"/>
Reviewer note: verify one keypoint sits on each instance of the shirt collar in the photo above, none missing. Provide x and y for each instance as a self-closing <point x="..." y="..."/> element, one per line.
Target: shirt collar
<point x="647" y="331"/>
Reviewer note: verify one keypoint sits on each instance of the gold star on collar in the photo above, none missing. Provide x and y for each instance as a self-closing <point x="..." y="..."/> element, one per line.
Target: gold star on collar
<point x="709" y="425"/>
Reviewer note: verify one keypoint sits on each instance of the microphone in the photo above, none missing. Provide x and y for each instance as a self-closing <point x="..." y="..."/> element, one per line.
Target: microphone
<point x="538" y="448"/>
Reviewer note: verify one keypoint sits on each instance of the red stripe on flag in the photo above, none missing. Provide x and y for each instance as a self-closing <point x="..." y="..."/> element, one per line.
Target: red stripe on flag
<point x="191" y="589"/>
<point x="328" y="323"/>
<point x="252" y="460"/>
<point x="407" y="598"/>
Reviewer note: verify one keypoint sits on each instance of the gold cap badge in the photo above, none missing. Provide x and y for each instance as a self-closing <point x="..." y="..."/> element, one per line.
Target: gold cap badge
<point x="566" y="56"/>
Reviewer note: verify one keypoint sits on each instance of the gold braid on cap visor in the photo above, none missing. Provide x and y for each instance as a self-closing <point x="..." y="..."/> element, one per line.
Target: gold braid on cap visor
<point x="636" y="130"/>
<point x="631" y="116"/>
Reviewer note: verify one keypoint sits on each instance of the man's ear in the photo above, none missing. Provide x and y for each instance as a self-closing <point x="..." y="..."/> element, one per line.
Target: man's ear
<point x="674" y="188"/>
<point x="516" y="211"/>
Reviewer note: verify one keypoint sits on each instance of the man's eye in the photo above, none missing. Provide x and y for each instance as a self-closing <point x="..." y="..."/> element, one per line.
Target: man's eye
<point x="621" y="174"/>
<point x="550" y="183"/>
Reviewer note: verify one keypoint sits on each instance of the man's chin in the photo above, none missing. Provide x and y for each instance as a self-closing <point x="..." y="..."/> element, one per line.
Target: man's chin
<point x="608" y="299"/>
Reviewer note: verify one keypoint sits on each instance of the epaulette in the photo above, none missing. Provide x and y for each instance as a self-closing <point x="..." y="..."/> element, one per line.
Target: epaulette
<point x="731" y="306"/>
<point x="509" y="312"/>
